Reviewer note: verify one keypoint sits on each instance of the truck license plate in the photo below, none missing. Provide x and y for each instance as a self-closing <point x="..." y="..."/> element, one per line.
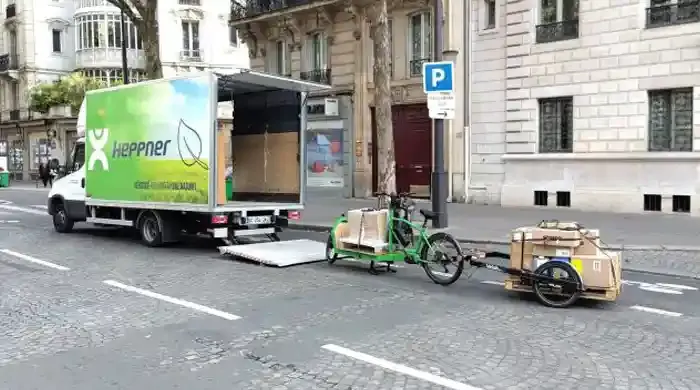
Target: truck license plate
<point x="259" y="220"/>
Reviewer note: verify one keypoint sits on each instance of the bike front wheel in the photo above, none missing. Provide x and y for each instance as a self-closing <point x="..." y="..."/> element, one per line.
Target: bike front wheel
<point x="439" y="255"/>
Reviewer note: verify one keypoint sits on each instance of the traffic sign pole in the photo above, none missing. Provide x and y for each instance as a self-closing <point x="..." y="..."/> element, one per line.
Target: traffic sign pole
<point x="438" y="188"/>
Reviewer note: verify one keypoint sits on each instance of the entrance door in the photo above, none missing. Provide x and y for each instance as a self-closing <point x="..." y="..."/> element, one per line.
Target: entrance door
<point x="413" y="149"/>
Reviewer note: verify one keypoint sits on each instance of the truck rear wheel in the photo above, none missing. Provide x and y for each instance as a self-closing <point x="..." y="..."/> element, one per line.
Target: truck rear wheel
<point x="61" y="221"/>
<point x="151" y="233"/>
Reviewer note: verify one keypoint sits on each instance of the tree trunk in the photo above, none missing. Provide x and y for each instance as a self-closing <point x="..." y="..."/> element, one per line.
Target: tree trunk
<point x="148" y="29"/>
<point x="379" y="32"/>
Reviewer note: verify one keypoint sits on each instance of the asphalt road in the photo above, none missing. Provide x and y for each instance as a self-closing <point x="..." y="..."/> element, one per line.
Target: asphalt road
<point x="96" y="310"/>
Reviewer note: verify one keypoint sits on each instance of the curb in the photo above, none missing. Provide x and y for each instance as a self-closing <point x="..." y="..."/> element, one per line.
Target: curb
<point x="321" y="228"/>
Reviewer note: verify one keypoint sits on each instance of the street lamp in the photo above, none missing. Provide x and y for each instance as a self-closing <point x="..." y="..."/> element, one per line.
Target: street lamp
<point x="125" y="65"/>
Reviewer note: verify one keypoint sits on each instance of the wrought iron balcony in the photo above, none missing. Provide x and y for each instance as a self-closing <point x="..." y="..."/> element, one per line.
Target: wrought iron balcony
<point x="253" y="8"/>
<point x="558" y="31"/>
<point x="322" y="76"/>
<point x="416" y="66"/>
<point x="11" y="11"/>
<point x="191" y="55"/>
<point x="672" y="14"/>
<point x="9" y="62"/>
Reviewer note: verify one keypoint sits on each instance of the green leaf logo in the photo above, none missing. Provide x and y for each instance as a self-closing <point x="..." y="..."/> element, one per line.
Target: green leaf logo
<point x="189" y="146"/>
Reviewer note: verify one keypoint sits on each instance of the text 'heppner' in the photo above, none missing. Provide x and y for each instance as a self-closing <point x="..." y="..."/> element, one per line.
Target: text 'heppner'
<point x="138" y="149"/>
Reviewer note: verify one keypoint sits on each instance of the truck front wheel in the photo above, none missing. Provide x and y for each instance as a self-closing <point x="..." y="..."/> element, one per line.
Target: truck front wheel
<point x="151" y="233"/>
<point x="62" y="223"/>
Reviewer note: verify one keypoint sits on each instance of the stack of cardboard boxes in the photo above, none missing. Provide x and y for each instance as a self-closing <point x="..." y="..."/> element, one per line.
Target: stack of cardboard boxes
<point x="566" y="241"/>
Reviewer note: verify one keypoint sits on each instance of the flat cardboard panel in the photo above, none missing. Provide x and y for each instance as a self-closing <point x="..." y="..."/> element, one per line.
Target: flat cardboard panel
<point x="266" y="163"/>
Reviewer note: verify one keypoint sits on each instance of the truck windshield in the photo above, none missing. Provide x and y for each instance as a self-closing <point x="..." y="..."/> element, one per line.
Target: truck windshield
<point x="78" y="157"/>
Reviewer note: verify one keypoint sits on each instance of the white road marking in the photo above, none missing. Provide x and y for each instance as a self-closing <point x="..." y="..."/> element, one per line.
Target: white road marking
<point x="175" y="301"/>
<point x="10" y="221"/>
<point x="40" y="206"/>
<point x="656" y="311"/>
<point x="22" y="209"/>
<point x="401" y="369"/>
<point x="677" y="286"/>
<point x="495" y="283"/>
<point x="664" y="288"/>
<point x="34" y="260"/>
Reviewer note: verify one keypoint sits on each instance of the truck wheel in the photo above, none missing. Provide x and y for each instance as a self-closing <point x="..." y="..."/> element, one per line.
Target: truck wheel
<point x="151" y="234"/>
<point x="61" y="221"/>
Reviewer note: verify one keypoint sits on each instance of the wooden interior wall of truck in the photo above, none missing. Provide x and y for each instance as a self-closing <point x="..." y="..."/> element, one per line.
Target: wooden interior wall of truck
<point x="265" y="147"/>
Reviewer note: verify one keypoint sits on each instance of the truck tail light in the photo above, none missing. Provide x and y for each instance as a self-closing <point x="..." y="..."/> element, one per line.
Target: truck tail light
<point x="219" y="219"/>
<point x="294" y="215"/>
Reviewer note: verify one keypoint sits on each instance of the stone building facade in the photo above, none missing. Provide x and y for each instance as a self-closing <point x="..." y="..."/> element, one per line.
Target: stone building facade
<point x="589" y="104"/>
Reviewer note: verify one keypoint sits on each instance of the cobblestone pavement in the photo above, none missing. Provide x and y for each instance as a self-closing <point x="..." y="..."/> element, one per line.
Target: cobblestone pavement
<point x="80" y="333"/>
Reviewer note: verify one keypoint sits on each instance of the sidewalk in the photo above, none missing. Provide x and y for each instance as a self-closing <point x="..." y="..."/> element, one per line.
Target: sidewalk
<point x="491" y="224"/>
<point x="653" y="243"/>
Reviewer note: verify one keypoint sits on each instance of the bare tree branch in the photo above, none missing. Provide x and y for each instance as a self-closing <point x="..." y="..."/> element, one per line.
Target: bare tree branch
<point x="132" y="8"/>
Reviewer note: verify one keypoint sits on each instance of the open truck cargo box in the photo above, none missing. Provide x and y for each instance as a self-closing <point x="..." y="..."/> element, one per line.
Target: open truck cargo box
<point x="157" y="144"/>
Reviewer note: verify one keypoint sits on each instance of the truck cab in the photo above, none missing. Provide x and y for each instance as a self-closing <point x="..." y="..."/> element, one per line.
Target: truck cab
<point x="66" y="201"/>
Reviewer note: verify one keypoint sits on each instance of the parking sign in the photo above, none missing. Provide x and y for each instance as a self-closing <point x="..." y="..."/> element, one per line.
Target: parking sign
<point x="438" y="77"/>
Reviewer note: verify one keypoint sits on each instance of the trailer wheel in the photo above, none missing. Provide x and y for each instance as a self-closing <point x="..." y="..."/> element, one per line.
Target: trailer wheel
<point x="151" y="233"/>
<point x="563" y="290"/>
<point x="61" y="221"/>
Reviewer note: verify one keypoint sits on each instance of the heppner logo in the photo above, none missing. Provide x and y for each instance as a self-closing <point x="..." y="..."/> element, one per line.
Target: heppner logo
<point x="140" y="149"/>
<point x="98" y="139"/>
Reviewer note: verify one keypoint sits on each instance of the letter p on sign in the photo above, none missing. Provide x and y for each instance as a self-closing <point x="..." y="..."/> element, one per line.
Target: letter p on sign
<point x="438" y="77"/>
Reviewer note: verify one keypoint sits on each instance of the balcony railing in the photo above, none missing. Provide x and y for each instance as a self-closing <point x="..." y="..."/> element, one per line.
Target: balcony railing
<point x="557" y="31"/>
<point x="10" y="11"/>
<point x="196" y="3"/>
<point x="9" y="62"/>
<point x="322" y="76"/>
<point x="253" y="8"/>
<point x="191" y="55"/>
<point x="416" y="66"/>
<point x="671" y="14"/>
<point x="24" y="114"/>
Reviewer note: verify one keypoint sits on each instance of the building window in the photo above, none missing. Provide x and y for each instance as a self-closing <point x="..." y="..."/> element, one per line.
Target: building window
<point x="558" y="20"/>
<point x="56" y="40"/>
<point x="489" y="14"/>
<point x="104" y="31"/>
<point x="190" y="38"/>
<point x="319" y="51"/>
<point x="282" y="63"/>
<point x="421" y="42"/>
<point x="112" y="76"/>
<point x="233" y="37"/>
<point x="669" y="12"/>
<point x="671" y="120"/>
<point x="556" y="125"/>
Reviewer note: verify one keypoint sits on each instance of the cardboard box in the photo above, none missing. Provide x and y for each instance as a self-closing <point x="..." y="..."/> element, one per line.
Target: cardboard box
<point x="602" y="271"/>
<point x="367" y="227"/>
<point x="548" y="237"/>
<point x="590" y="244"/>
<point x="520" y="255"/>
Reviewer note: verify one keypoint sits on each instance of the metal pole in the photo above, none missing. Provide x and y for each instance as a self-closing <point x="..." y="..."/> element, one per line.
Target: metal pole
<point x="439" y="176"/>
<point x="125" y="64"/>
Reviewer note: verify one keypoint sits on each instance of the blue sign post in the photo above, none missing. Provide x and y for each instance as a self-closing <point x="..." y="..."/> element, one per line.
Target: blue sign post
<point x="438" y="77"/>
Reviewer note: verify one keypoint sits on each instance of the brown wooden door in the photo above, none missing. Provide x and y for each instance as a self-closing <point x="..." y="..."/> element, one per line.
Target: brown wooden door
<point x="412" y="144"/>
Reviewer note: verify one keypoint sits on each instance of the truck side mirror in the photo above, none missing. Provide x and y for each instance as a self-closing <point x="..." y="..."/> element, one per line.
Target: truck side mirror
<point x="82" y="182"/>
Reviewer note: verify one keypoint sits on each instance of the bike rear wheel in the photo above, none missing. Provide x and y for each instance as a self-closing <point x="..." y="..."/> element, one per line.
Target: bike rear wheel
<point x="331" y="256"/>
<point x="442" y="252"/>
<point x="563" y="291"/>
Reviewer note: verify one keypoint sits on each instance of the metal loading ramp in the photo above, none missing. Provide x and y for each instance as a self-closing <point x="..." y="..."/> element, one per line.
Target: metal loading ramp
<point x="280" y="253"/>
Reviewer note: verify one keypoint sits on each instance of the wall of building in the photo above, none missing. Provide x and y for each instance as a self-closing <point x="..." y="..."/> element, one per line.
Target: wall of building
<point x="608" y="70"/>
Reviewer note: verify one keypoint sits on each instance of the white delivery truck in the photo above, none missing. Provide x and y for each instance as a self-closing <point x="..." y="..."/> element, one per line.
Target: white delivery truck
<point x="152" y="156"/>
